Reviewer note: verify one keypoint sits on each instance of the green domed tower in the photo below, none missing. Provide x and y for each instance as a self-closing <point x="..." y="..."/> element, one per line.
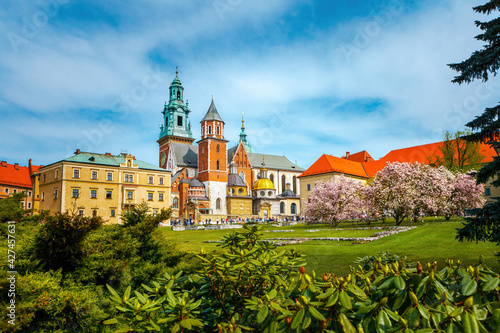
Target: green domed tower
<point x="176" y="127"/>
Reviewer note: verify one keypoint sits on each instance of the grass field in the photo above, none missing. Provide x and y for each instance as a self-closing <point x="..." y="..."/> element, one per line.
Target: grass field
<point x="431" y="241"/>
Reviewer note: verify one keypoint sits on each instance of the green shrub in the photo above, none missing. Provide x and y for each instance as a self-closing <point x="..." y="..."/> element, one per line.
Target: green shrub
<point x="43" y="305"/>
<point x="59" y="240"/>
<point x="252" y="287"/>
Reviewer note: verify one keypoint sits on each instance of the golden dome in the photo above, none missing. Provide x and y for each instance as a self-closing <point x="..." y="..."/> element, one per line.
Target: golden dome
<point x="263" y="184"/>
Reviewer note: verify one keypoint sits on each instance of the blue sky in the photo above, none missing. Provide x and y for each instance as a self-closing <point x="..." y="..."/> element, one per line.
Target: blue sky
<point x="312" y="77"/>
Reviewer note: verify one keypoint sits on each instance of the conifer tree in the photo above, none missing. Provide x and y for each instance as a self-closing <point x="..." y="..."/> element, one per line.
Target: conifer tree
<point x="486" y="127"/>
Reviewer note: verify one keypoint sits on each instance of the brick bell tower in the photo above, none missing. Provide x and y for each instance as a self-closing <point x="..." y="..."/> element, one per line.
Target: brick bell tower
<point x="212" y="159"/>
<point x="176" y="126"/>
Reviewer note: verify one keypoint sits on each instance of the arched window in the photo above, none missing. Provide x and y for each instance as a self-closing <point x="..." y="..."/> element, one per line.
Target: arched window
<point x="176" y="203"/>
<point x="218" y="165"/>
<point x="209" y="129"/>
<point x="217" y="203"/>
<point x="294" y="181"/>
<point x="293" y="209"/>
<point x="218" y="147"/>
<point x="283" y="183"/>
<point x="271" y="178"/>
<point x="282" y="207"/>
<point x="242" y="175"/>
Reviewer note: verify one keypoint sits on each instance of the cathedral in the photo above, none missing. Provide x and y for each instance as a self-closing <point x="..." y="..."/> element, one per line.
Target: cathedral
<point x="212" y="181"/>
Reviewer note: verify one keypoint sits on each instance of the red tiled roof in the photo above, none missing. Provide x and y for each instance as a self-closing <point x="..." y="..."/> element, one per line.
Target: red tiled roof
<point x="9" y="175"/>
<point x="362" y="156"/>
<point x="419" y="154"/>
<point x="328" y="163"/>
<point x="355" y="164"/>
<point x="3" y="195"/>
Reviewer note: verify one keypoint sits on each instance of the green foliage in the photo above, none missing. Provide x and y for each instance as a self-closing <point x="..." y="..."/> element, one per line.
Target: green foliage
<point x="384" y="257"/>
<point x="140" y="223"/>
<point x="59" y="241"/>
<point x="458" y="154"/>
<point x="252" y="287"/>
<point x="114" y="255"/>
<point x="43" y="304"/>
<point x="107" y="255"/>
<point x="11" y="208"/>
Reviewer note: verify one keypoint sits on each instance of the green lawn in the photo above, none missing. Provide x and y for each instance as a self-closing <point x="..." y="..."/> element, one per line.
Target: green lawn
<point x="432" y="241"/>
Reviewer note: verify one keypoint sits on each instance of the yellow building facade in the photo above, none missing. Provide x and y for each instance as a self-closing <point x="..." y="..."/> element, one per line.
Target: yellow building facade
<point x="239" y="202"/>
<point x="91" y="184"/>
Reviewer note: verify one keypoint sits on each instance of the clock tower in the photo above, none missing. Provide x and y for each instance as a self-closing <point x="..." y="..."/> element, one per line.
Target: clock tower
<point x="176" y="126"/>
<point x="212" y="159"/>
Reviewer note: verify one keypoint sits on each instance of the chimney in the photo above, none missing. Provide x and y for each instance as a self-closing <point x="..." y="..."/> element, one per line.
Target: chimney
<point x="347" y="154"/>
<point x="4" y="163"/>
<point x="16" y="166"/>
<point x="108" y="154"/>
<point x="77" y="152"/>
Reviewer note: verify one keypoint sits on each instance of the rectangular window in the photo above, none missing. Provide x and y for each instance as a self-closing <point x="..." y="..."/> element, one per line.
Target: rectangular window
<point x="160" y="196"/>
<point x="55" y="193"/>
<point x="43" y="196"/>
<point x="94" y="213"/>
<point x="487" y="191"/>
<point x="160" y="181"/>
<point x="179" y="120"/>
<point x="112" y="213"/>
<point x="94" y="174"/>
<point x="150" y="196"/>
<point x="308" y="187"/>
<point x="150" y="180"/>
<point x="155" y="212"/>
<point x="108" y="194"/>
<point x="76" y="173"/>
<point x="29" y="205"/>
<point x="93" y="194"/>
<point x="129" y="178"/>
<point x="130" y="195"/>
<point x="80" y="212"/>
<point x="44" y="178"/>
<point x="75" y="193"/>
<point x="109" y="176"/>
<point x="57" y="173"/>
<point x="29" y="193"/>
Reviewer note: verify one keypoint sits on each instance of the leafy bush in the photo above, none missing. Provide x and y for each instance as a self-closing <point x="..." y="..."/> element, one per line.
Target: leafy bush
<point x="44" y="305"/>
<point x="368" y="262"/>
<point x="11" y="208"/>
<point x="59" y="241"/>
<point x="252" y="287"/>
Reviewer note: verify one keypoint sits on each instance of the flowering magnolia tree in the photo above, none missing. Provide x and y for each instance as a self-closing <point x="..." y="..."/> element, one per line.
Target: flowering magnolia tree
<point x="336" y="200"/>
<point x="395" y="190"/>
<point x="400" y="190"/>
<point x="410" y="190"/>
<point x="464" y="194"/>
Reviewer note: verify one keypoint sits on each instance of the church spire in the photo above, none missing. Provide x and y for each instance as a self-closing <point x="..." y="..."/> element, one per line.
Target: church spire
<point x="243" y="135"/>
<point x="175" y="112"/>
